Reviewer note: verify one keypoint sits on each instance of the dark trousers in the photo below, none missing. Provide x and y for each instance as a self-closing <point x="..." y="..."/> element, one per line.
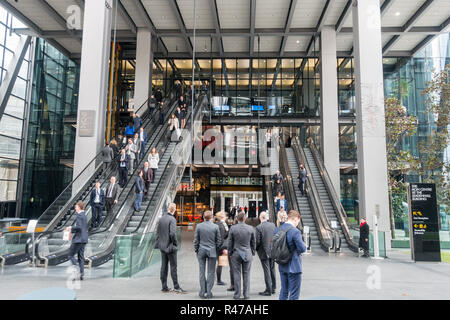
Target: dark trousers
<point x="97" y="210"/>
<point x="147" y="186"/>
<point x="138" y="201"/>
<point x="161" y="118"/>
<point x="241" y="267"/>
<point x="206" y="281"/>
<point x="123" y="176"/>
<point x="109" y="204"/>
<point x="230" y="263"/>
<point x="290" y="285"/>
<point x="77" y="249"/>
<point x="301" y="186"/>
<point x="153" y="174"/>
<point x="268" y="266"/>
<point x="142" y="150"/>
<point x="165" y="259"/>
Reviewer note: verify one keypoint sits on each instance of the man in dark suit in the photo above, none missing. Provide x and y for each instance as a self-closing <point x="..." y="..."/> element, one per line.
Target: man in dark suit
<point x="302" y="176"/>
<point x="112" y="195"/>
<point x="143" y="141"/>
<point x="264" y="234"/>
<point x="291" y="272"/>
<point x="147" y="175"/>
<point x="167" y="243"/>
<point x="282" y="202"/>
<point x="108" y="155"/>
<point x="79" y="238"/>
<point x="139" y="188"/>
<point x="364" y="237"/>
<point x="207" y="241"/>
<point x="97" y="201"/>
<point x="242" y="247"/>
<point x="124" y="165"/>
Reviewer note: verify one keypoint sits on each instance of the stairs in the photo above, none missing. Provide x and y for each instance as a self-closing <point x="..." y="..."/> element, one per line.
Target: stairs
<point x="302" y="201"/>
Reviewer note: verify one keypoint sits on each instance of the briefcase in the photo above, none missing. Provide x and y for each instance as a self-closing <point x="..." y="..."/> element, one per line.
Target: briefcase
<point x="223" y="260"/>
<point x="67" y="235"/>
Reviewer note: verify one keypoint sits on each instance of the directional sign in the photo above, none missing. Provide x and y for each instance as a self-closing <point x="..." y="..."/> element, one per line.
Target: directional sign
<point x="423" y="222"/>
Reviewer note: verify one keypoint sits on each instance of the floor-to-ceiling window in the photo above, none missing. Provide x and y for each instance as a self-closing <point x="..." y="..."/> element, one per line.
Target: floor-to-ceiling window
<point x="12" y="120"/>
<point x="51" y="139"/>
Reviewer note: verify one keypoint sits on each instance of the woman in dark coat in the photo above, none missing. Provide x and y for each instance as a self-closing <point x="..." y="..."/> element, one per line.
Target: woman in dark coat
<point x="364" y="237"/>
<point x="224" y="230"/>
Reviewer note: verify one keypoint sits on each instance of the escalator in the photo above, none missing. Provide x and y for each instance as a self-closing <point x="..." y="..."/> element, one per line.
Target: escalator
<point x="320" y="234"/>
<point x="62" y="211"/>
<point x="100" y="247"/>
<point x="328" y="197"/>
<point x="51" y="241"/>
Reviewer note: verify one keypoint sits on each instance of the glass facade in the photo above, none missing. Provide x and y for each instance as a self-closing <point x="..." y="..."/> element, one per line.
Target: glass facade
<point x="407" y="83"/>
<point x="12" y="120"/>
<point x="51" y="141"/>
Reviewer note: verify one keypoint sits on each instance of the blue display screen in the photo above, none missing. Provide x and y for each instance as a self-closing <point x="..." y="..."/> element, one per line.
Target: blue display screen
<point x="257" y="108"/>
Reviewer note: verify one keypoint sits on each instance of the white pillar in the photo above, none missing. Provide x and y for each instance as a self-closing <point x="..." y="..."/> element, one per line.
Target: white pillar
<point x="329" y="116"/>
<point x="144" y="69"/>
<point x="370" y="124"/>
<point x="93" y="92"/>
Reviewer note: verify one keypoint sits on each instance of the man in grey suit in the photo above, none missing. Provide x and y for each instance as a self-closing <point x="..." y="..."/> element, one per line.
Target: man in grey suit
<point x="108" y="155"/>
<point x="112" y="196"/>
<point x="207" y="241"/>
<point x="264" y="234"/>
<point x="167" y="243"/>
<point x="242" y="247"/>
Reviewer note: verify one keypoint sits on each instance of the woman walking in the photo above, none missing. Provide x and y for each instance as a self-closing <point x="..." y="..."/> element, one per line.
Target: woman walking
<point x="153" y="160"/>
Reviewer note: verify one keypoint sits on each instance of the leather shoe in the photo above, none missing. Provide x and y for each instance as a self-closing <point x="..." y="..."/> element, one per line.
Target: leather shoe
<point x="230" y="289"/>
<point x="221" y="283"/>
<point x="265" y="293"/>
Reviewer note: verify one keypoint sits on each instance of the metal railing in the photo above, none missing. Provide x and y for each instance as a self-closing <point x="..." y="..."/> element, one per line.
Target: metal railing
<point x="337" y="205"/>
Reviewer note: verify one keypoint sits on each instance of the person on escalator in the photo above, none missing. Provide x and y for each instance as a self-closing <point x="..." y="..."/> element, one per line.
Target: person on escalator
<point x="124" y="164"/>
<point x="282" y="202"/>
<point x="130" y="131"/>
<point x="97" y="201"/>
<point x="137" y="121"/>
<point x="364" y="237"/>
<point x="158" y="96"/>
<point x="153" y="160"/>
<point x="278" y="187"/>
<point x="147" y="174"/>
<point x="174" y="125"/>
<point x="139" y="189"/>
<point x="131" y="149"/>
<point x="112" y="195"/>
<point x="79" y="239"/>
<point x="152" y="103"/>
<point x="138" y="144"/>
<point x="143" y="141"/>
<point x="302" y="179"/>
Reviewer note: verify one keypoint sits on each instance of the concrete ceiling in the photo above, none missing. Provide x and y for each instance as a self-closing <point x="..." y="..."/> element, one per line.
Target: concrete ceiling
<point x="285" y="28"/>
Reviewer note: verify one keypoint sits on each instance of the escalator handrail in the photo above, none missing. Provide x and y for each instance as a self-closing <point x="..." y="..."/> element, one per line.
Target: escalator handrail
<point x="198" y="112"/>
<point x="337" y="205"/>
<point x="326" y="233"/>
<point x="50" y="226"/>
<point x="289" y="184"/>
<point x="43" y="234"/>
<point x="270" y="202"/>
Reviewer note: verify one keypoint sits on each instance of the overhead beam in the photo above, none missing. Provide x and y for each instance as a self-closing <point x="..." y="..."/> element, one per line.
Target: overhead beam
<point x="323" y="15"/>
<point x="252" y="26"/>
<point x="287" y="25"/>
<point x="179" y="18"/>
<point x="12" y="72"/>
<point x="409" y="24"/>
<point x="217" y="33"/>
<point x="343" y="16"/>
<point x="124" y="14"/>
<point x="385" y="6"/>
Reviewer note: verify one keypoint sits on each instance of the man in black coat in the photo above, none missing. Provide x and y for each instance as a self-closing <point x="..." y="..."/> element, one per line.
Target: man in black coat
<point x="264" y="234"/>
<point x="167" y="243"/>
<point x="364" y="237"/>
<point x="97" y="201"/>
<point x="124" y="164"/>
<point x="79" y="238"/>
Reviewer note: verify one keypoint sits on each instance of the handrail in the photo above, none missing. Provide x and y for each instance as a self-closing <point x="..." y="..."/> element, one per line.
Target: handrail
<point x="289" y="185"/>
<point x="199" y="112"/>
<point x="112" y="220"/>
<point x="270" y="202"/>
<point x="317" y="209"/>
<point x="337" y="205"/>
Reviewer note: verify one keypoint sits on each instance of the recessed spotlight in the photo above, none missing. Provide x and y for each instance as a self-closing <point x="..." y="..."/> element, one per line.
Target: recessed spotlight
<point x="397" y="13"/>
<point x="298" y="41"/>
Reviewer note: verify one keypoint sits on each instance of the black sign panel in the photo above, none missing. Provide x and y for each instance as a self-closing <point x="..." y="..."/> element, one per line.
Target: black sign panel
<point x="424" y="222"/>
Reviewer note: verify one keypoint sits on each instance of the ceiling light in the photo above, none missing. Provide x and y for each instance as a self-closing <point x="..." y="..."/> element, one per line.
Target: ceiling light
<point x="397" y="13"/>
<point x="298" y="41"/>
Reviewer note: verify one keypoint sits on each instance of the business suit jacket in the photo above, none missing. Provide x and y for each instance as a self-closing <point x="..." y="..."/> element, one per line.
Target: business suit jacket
<point x="224" y="235"/>
<point x="115" y="191"/>
<point x="296" y="246"/>
<point x="94" y="194"/>
<point x="80" y="230"/>
<point x="139" y="185"/>
<point x="207" y="238"/>
<point x="264" y="235"/>
<point x="166" y="234"/>
<point x="149" y="175"/>
<point x="108" y="154"/>
<point x="242" y="241"/>
<point x="131" y="150"/>
<point x="127" y="160"/>
<point x="282" y="203"/>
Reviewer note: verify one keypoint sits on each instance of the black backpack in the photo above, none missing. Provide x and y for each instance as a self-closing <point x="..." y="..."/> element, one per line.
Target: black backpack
<point x="279" y="250"/>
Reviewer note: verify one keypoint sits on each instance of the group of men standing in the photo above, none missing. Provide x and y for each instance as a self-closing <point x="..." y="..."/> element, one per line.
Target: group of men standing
<point x="239" y="242"/>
